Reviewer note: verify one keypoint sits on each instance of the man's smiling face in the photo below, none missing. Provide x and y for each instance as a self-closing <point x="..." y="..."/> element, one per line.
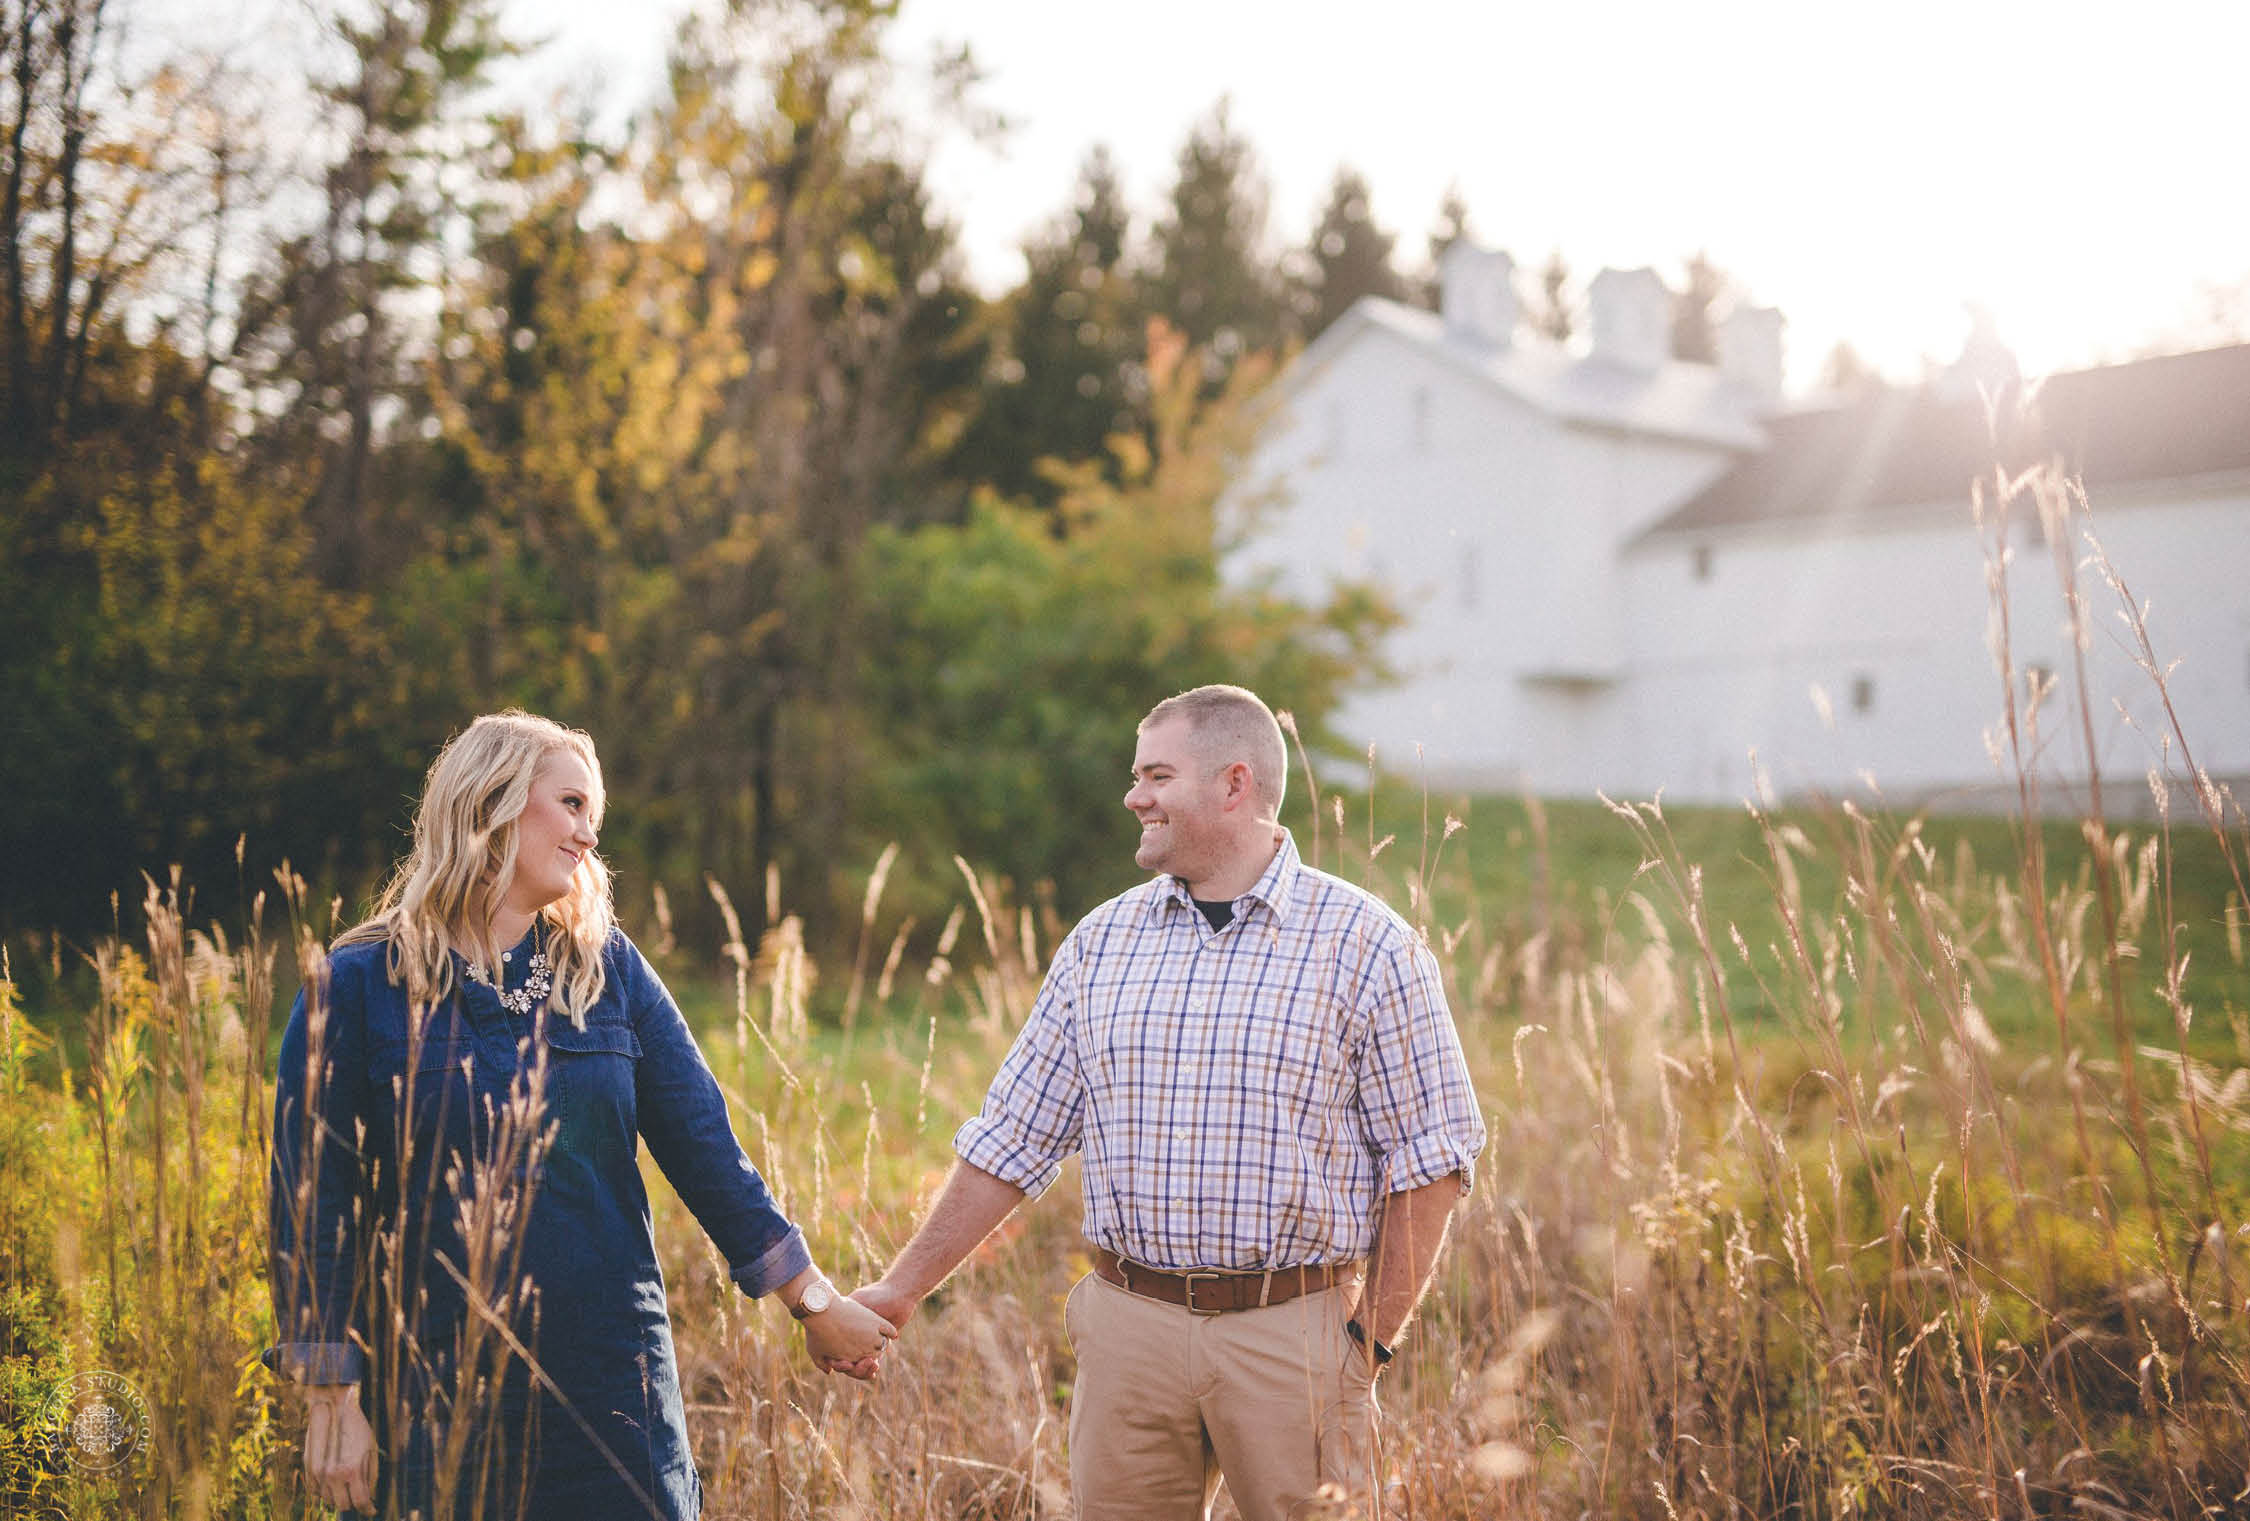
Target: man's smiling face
<point x="1178" y="796"/>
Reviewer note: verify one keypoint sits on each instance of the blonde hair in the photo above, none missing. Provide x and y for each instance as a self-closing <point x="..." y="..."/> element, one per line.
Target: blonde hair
<point x="1228" y="724"/>
<point x="444" y="893"/>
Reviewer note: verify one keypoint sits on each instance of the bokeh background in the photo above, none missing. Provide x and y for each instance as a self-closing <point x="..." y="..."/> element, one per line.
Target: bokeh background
<point x="838" y="408"/>
<point x="824" y="404"/>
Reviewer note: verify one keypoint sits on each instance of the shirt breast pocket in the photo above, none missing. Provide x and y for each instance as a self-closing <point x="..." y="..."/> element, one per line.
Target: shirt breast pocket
<point x="590" y="1075"/>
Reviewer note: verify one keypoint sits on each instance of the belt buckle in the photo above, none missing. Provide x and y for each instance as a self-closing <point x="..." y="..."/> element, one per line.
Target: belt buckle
<point x="1187" y="1291"/>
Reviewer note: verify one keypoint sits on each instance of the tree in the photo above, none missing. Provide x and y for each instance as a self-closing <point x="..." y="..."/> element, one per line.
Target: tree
<point x="1209" y="275"/>
<point x="1553" y="318"/>
<point x="1066" y="347"/>
<point x="170" y="677"/>
<point x="1349" y="255"/>
<point x="671" y="445"/>
<point x="676" y="439"/>
<point x="1011" y="661"/>
<point x="1695" y="331"/>
<point x="340" y="290"/>
<point x="111" y="184"/>
<point x="1451" y="226"/>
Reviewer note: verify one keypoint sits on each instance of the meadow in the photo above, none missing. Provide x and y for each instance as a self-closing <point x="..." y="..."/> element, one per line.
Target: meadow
<point x="1843" y="1163"/>
<point x="1840" y="1165"/>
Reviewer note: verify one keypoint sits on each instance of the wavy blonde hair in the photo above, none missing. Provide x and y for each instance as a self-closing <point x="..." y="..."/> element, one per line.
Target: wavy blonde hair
<point x="444" y="893"/>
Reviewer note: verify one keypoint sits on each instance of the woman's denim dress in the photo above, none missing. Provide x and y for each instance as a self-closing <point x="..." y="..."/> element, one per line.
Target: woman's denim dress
<point x="374" y="1281"/>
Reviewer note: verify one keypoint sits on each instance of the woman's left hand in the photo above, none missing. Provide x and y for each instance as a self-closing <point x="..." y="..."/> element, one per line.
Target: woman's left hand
<point x="848" y="1336"/>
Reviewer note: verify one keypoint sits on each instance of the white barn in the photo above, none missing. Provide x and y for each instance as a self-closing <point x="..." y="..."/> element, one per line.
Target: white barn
<point x="1624" y="573"/>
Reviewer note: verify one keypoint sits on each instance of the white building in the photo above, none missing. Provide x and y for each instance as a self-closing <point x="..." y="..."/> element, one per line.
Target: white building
<point x="1625" y="573"/>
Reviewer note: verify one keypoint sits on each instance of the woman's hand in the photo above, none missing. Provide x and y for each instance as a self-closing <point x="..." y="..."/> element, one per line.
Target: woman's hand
<point x="848" y="1337"/>
<point x="339" y="1447"/>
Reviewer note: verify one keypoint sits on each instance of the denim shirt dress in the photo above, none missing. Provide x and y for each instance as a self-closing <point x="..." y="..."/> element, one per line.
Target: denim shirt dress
<point x="380" y="1155"/>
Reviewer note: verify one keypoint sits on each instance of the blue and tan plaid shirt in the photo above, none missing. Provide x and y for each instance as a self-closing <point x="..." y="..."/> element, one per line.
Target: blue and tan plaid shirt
<point x="1245" y="1097"/>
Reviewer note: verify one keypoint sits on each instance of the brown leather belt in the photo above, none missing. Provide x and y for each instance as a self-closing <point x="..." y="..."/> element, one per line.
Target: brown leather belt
<point x="1217" y="1293"/>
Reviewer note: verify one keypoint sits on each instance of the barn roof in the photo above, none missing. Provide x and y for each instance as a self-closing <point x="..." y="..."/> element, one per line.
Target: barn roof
<point x="1895" y="452"/>
<point x="1694" y="402"/>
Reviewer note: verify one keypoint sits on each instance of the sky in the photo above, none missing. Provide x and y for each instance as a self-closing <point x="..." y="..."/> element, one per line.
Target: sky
<point x="2075" y="169"/>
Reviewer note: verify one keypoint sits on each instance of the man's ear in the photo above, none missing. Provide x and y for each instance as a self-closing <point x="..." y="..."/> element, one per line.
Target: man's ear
<point x="1240" y="784"/>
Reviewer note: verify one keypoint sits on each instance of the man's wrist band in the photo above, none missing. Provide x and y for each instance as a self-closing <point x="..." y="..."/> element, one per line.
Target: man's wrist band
<point x="1359" y="1334"/>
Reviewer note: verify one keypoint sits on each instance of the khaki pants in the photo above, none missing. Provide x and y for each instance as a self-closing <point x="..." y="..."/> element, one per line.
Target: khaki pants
<point x="1279" y="1401"/>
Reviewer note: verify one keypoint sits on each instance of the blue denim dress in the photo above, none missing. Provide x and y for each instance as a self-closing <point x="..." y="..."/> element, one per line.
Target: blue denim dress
<point x="501" y="1306"/>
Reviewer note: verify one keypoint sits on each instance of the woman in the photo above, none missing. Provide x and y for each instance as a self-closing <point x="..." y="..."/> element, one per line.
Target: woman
<point x="465" y="1277"/>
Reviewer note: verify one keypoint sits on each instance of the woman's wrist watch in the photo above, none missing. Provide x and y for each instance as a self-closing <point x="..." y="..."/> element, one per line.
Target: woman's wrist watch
<point x="818" y="1296"/>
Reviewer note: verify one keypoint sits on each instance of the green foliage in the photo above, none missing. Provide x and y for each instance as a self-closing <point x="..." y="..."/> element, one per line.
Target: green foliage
<point x="600" y="429"/>
<point x="1015" y="658"/>
<point x="176" y="678"/>
<point x="132" y="1236"/>
<point x="664" y="442"/>
<point x="1066" y="372"/>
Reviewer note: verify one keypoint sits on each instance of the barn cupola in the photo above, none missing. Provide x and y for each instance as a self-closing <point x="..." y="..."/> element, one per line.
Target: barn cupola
<point x="1477" y="294"/>
<point x="1750" y="352"/>
<point x="1631" y="313"/>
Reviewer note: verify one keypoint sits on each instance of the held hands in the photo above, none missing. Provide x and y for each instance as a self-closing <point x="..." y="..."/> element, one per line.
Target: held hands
<point x="888" y="1306"/>
<point x="339" y="1448"/>
<point x="848" y="1338"/>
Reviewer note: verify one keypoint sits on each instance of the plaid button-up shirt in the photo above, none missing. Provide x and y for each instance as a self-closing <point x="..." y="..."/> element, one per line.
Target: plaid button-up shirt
<point x="1245" y="1097"/>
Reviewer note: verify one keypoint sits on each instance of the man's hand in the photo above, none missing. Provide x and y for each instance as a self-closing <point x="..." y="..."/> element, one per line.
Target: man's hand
<point x="968" y="1208"/>
<point x="849" y="1338"/>
<point x="892" y="1305"/>
<point x="339" y="1447"/>
<point x="886" y="1299"/>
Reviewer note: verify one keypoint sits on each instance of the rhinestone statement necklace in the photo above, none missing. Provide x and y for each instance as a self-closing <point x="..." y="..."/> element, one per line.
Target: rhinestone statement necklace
<point x="537" y="983"/>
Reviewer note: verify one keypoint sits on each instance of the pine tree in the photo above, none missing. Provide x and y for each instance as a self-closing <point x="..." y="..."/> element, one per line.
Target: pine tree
<point x="341" y="291"/>
<point x="1066" y="345"/>
<point x="1695" y="331"/>
<point x="1209" y="275"/>
<point x="1451" y="226"/>
<point x="1553" y="319"/>
<point x="1348" y="257"/>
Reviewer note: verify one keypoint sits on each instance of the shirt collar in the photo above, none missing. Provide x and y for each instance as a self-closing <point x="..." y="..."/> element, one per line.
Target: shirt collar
<point x="1276" y="886"/>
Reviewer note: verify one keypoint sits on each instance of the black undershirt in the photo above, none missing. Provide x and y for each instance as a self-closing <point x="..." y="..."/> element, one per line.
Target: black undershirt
<point x="1220" y="914"/>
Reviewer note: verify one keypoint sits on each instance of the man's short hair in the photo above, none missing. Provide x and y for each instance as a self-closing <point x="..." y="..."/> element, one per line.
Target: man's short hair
<point x="1229" y="724"/>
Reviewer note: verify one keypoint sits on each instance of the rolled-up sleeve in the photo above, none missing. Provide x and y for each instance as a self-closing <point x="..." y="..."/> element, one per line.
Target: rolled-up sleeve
<point x="683" y="1117"/>
<point x="1415" y="1093"/>
<point x="316" y="1187"/>
<point x="1033" y="1110"/>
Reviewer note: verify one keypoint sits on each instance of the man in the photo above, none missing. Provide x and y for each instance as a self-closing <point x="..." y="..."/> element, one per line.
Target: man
<point x="1258" y="1064"/>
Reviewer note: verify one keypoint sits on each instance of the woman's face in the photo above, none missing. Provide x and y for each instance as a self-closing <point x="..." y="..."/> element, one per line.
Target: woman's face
<point x="554" y="833"/>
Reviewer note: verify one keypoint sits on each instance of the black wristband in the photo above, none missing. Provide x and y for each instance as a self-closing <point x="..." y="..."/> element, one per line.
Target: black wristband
<point x="1359" y="1334"/>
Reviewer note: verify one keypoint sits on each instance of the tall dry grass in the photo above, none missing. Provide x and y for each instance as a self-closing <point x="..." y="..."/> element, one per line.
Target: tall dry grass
<point x="1794" y="1216"/>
